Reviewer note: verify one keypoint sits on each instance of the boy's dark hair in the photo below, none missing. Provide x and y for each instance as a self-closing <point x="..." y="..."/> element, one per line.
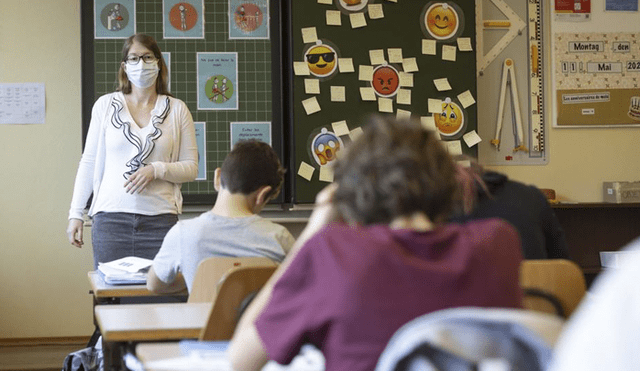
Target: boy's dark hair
<point x="250" y="165"/>
<point x="395" y="168"/>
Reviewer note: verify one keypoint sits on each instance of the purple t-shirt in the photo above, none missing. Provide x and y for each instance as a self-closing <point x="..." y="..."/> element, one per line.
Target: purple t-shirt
<point x="350" y="288"/>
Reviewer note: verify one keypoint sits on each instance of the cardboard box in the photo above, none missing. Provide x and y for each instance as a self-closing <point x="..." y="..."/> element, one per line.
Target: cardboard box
<point x="621" y="192"/>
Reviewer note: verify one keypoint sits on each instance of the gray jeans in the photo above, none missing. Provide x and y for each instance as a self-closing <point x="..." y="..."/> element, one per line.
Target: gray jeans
<point x="117" y="235"/>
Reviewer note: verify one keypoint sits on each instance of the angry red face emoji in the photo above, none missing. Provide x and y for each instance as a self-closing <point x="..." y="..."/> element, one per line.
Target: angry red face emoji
<point x="385" y="81"/>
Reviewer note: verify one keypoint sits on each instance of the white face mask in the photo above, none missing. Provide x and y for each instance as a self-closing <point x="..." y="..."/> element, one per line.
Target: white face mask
<point x="142" y="74"/>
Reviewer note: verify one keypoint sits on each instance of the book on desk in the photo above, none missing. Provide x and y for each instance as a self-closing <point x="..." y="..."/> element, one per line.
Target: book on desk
<point x="130" y="270"/>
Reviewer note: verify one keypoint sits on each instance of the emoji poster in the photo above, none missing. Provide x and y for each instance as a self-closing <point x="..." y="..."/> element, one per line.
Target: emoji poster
<point x="351" y="58"/>
<point x="183" y="19"/>
<point x="217" y="81"/>
<point x="248" y="19"/>
<point x="114" y="19"/>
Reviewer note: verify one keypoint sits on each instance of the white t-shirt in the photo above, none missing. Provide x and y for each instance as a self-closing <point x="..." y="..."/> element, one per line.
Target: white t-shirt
<point x="604" y="332"/>
<point x="190" y="241"/>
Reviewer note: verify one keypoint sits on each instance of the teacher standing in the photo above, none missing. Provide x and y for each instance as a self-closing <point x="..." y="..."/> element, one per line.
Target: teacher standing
<point x="140" y="148"/>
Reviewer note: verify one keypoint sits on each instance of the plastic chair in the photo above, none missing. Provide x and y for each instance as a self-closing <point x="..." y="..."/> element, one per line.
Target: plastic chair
<point x="552" y="285"/>
<point x="211" y="270"/>
<point x="233" y="290"/>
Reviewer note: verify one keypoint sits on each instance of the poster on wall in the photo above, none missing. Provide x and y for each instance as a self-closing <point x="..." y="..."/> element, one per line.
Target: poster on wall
<point x="114" y="20"/>
<point x="183" y="19"/>
<point x="217" y="81"/>
<point x="201" y="141"/>
<point x="621" y="5"/>
<point x="167" y="60"/>
<point x="597" y="79"/>
<point x="260" y="131"/>
<point x="248" y="19"/>
<point x="572" y="10"/>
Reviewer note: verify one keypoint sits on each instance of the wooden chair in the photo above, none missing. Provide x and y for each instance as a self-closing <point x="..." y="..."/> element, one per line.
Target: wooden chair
<point x="234" y="289"/>
<point x="552" y="285"/>
<point x="211" y="270"/>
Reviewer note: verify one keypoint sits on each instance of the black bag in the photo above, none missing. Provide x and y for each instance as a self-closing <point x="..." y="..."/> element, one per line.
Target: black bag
<point x="87" y="359"/>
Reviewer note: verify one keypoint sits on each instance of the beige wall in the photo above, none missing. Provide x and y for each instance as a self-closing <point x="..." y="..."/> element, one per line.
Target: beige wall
<point x="581" y="159"/>
<point x="43" y="285"/>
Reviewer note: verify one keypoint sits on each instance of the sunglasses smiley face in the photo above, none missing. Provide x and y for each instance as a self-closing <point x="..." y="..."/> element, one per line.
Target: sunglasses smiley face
<point x="321" y="60"/>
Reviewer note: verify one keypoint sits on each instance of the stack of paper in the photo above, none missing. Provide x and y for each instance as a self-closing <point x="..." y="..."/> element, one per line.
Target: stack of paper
<point x="126" y="271"/>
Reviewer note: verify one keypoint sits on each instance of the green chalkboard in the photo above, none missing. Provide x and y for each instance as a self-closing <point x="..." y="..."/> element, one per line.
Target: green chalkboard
<point x="402" y="26"/>
<point x="258" y="69"/>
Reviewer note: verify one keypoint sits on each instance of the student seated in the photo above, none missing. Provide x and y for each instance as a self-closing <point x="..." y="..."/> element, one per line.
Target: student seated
<point x="489" y="194"/>
<point x="250" y="176"/>
<point x="376" y="254"/>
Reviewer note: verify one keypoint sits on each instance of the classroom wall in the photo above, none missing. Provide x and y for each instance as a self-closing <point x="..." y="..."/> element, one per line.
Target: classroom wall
<point x="43" y="283"/>
<point x="581" y="159"/>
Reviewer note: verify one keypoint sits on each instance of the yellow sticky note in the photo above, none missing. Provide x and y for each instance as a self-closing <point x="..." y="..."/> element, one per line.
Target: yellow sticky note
<point x="466" y="99"/>
<point x="375" y="11"/>
<point x="385" y="105"/>
<point x="454" y="147"/>
<point x="338" y="94"/>
<point x="306" y="171"/>
<point x="395" y="55"/>
<point x="464" y="44"/>
<point x="428" y="47"/>
<point x="345" y="65"/>
<point x="464" y="163"/>
<point x="442" y="84"/>
<point x="435" y="105"/>
<point x="340" y="128"/>
<point x="449" y="53"/>
<point x="312" y="86"/>
<point x="471" y="138"/>
<point x="405" y="79"/>
<point x="410" y="65"/>
<point x="355" y="133"/>
<point x="393" y="1"/>
<point x="334" y="18"/>
<point x="326" y="2"/>
<point x="365" y="73"/>
<point x="403" y="115"/>
<point x="367" y="94"/>
<point x="309" y="35"/>
<point x="357" y="20"/>
<point x="311" y="105"/>
<point x="376" y="56"/>
<point x="428" y="123"/>
<point x="301" y="69"/>
<point x="326" y="174"/>
<point x="404" y="96"/>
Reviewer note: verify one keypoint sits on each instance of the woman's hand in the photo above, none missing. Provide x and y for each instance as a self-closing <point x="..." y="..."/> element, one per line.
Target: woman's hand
<point x="139" y="180"/>
<point x="74" y="232"/>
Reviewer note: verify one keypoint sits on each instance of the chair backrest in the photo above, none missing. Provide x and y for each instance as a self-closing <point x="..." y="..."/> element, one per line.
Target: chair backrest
<point x="467" y="338"/>
<point x="211" y="270"/>
<point x="558" y="279"/>
<point x="236" y="285"/>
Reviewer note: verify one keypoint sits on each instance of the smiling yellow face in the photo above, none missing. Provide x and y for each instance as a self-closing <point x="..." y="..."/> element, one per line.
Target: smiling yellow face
<point x="441" y="20"/>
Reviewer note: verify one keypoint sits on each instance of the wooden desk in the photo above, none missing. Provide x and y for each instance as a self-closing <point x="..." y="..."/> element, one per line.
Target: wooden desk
<point x="121" y="324"/>
<point x="594" y="227"/>
<point x="101" y="289"/>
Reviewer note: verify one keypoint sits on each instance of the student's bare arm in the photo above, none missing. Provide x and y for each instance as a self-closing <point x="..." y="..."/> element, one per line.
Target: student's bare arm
<point x="156" y="285"/>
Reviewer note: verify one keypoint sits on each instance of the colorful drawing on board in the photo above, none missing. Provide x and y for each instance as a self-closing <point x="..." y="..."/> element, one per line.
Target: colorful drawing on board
<point x="248" y="19"/>
<point x="352" y="6"/>
<point x="442" y="20"/>
<point x="217" y="81"/>
<point x="386" y="80"/>
<point x="451" y="120"/>
<point x="183" y="19"/>
<point x="324" y="147"/>
<point x="219" y="89"/>
<point x="322" y="59"/>
<point x="114" y="20"/>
